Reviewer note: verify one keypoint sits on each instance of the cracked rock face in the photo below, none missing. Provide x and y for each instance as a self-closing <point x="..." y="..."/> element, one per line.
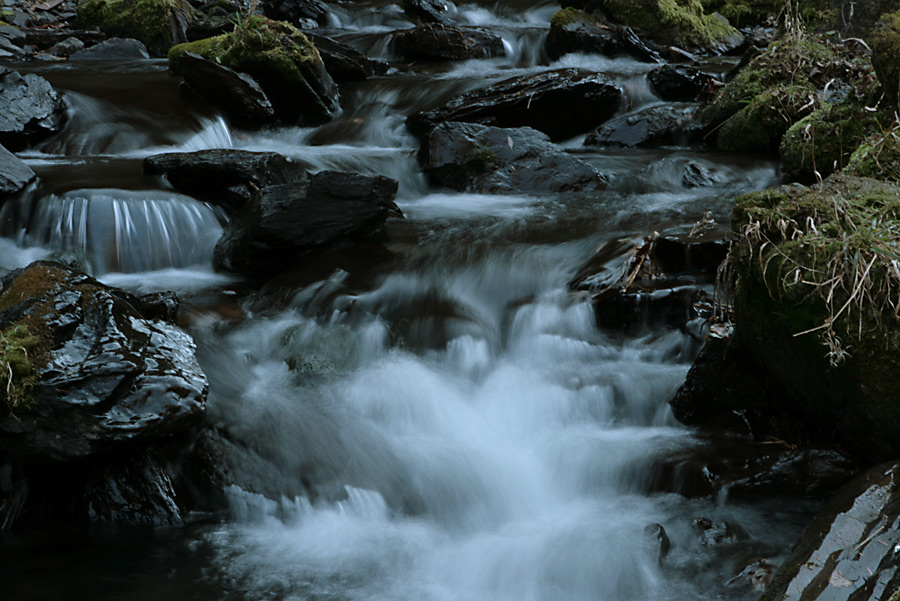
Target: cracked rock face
<point x="851" y="551"/>
<point x="107" y="375"/>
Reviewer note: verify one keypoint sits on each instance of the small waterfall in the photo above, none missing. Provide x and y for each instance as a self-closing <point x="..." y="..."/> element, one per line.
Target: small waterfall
<point x="115" y="230"/>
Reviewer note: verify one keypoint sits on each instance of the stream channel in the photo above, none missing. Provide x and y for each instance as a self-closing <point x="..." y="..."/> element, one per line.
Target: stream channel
<point x="484" y="439"/>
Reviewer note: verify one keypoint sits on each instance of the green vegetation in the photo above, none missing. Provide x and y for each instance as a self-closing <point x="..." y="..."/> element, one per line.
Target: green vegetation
<point x="682" y="22"/>
<point x="827" y="259"/>
<point x="271" y="51"/>
<point x="567" y="16"/>
<point x="17" y="373"/>
<point x="759" y="125"/>
<point x="824" y="141"/>
<point x="886" y="55"/>
<point x="150" y="21"/>
<point x="878" y="156"/>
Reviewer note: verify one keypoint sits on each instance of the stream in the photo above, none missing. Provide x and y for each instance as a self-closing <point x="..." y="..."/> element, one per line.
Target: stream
<point x="474" y="435"/>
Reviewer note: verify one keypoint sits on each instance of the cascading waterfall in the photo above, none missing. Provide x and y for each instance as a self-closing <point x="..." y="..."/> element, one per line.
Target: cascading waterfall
<point x="457" y="428"/>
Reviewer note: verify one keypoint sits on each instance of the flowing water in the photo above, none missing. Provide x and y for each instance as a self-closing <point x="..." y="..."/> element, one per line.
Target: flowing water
<point x="465" y="430"/>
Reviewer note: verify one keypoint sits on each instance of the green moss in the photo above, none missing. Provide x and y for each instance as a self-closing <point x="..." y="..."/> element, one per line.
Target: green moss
<point x="17" y="369"/>
<point x="886" y="54"/>
<point x="269" y="50"/>
<point x="824" y="141"/>
<point x="567" y="16"/>
<point x="878" y="156"/>
<point x="483" y="160"/>
<point x="35" y="282"/>
<point x="149" y="21"/>
<point x="682" y="22"/>
<point x="895" y="596"/>
<point x="759" y="126"/>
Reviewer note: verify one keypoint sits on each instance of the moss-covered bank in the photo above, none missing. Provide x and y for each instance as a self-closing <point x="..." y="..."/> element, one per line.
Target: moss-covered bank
<point x="817" y="298"/>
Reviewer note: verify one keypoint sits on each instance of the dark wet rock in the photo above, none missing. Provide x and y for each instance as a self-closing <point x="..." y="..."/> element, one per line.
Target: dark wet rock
<point x="42" y="39"/>
<point x="237" y="94"/>
<point x="282" y="60"/>
<point x="9" y="48"/>
<point x="113" y="49"/>
<point x="681" y="83"/>
<point x="283" y="221"/>
<point x="296" y="11"/>
<point x="210" y="26"/>
<point x="697" y="176"/>
<point x="105" y="376"/>
<point x="30" y="109"/>
<point x="343" y="62"/>
<point x="658" y="538"/>
<point x="658" y="125"/>
<point x="561" y="103"/>
<point x="849" y="552"/>
<point x="756" y="575"/>
<point x="134" y="490"/>
<point x="428" y="11"/>
<point x="474" y="157"/>
<point x="711" y="533"/>
<point x="160" y="306"/>
<point x="14" y="174"/>
<point x="441" y="43"/>
<point x="572" y="30"/>
<point x="638" y="283"/>
<point x="13" y="34"/>
<point x="224" y="176"/>
<point x="66" y="48"/>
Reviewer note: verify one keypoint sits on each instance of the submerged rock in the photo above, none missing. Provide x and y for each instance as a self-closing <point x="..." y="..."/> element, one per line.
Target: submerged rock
<point x="849" y="552"/>
<point x="224" y="176"/>
<point x="281" y="222"/>
<point x="561" y="103"/>
<point x="441" y="43"/>
<point x="30" y="109"/>
<point x="281" y="59"/>
<point x="98" y="374"/>
<point x="473" y="157"/>
<point x="160" y="24"/>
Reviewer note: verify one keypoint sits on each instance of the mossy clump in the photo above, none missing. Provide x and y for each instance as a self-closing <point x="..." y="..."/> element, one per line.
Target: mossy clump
<point x="878" y="156"/>
<point x="886" y="55"/>
<point x="257" y="45"/>
<point x="18" y="374"/>
<point x="682" y="22"/>
<point x="743" y="13"/>
<point x="568" y="16"/>
<point x="819" y="289"/>
<point x="150" y="21"/>
<point x="759" y="126"/>
<point x="823" y="142"/>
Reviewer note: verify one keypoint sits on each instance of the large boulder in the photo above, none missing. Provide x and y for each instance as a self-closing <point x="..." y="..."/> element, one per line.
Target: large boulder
<point x="573" y="30"/>
<point x="90" y="374"/>
<point x="281" y="59"/>
<point x="815" y="289"/>
<point x="282" y="222"/>
<point x="680" y="83"/>
<point x="849" y="551"/>
<point x="478" y="158"/>
<point x="673" y="22"/>
<point x="441" y="43"/>
<point x="30" y="109"/>
<point x="14" y="174"/>
<point x="222" y="175"/>
<point x="343" y="62"/>
<point x="159" y="24"/>
<point x="560" y="103"/>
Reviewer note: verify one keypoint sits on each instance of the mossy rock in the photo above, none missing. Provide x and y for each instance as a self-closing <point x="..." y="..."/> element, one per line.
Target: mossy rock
<point x="759" y="126"/>
<point x="878" y="156"/>
<point x="568" y="16"/>
<point x="683" y="23"/>
<point x="281" y="59"/>
<point x="159" y="24"/>
<point x="815" y="282"/>
<point x="824" y="141"/>
<point x="886" y="55"/>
